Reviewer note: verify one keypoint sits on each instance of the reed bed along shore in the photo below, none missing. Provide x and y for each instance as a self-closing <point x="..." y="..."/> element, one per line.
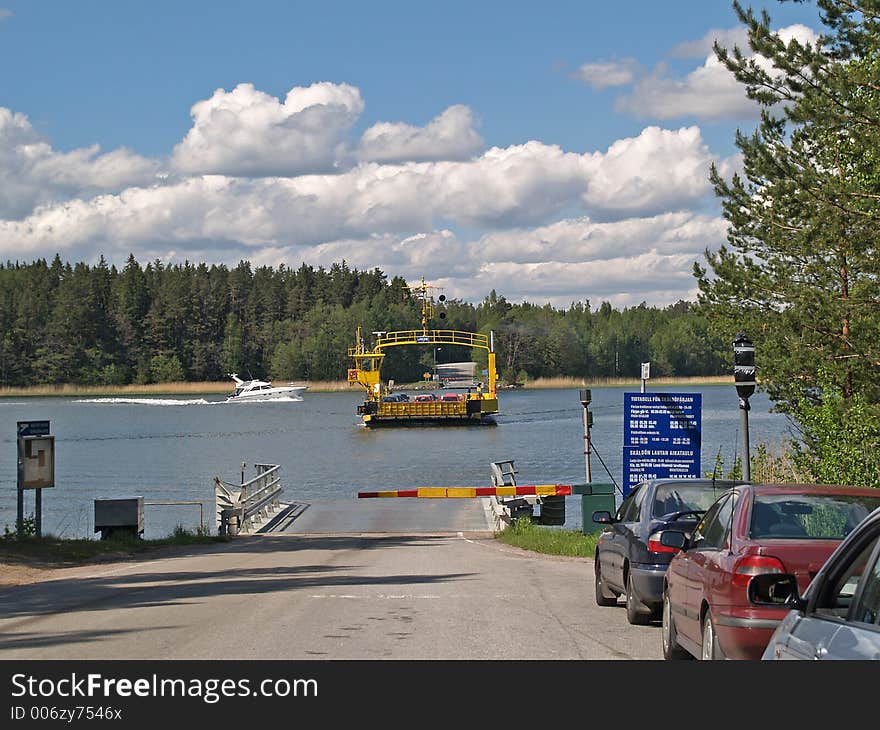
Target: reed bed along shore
<point x="618" y="382"/>
<point x="318" y="386"/>
<point x="117" y="391"/>
<point x="71" y="389"/>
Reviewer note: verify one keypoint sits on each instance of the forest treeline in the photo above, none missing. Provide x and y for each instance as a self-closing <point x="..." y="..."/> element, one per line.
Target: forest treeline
<point x="99" y="325"/>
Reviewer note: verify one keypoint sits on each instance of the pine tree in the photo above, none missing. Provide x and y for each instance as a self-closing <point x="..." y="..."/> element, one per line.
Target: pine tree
<point x="801" y="271"/>
<point x="129" y="304"/>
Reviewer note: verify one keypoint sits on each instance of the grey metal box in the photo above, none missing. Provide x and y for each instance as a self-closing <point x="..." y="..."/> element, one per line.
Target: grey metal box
<point x="120" y="512"/>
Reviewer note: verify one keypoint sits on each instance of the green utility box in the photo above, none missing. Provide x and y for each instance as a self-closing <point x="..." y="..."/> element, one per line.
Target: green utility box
<point x="594" y="496"/>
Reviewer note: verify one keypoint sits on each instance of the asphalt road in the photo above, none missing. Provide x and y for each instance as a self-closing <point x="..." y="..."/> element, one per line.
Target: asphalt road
<point x="345" y="596"/>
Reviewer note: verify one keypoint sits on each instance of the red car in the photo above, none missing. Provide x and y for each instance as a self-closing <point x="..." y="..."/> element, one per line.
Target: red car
<point x="750" y="530"/>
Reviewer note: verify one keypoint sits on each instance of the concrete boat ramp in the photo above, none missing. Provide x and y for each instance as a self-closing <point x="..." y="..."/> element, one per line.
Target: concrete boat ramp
<point x="257" y="507"/>
<point x="383" y="516"/>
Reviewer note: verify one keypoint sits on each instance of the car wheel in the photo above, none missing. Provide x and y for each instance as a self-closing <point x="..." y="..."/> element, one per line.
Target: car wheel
<point x="669" y="636"/>
<point x="710" y="649"/>
<point x="635" y="611"/>
<point x="604" y="596"/>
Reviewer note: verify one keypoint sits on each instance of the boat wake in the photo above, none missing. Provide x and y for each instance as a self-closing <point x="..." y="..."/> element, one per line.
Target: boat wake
<point x="267" y="399"/>
<point x="148" y="401"/>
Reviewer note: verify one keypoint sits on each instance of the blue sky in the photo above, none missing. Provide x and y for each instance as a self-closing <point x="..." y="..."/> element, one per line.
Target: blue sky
<point x="554" y="151"/>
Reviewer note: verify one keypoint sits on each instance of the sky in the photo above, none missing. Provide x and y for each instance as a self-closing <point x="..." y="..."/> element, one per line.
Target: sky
<point x="556" y="152"/>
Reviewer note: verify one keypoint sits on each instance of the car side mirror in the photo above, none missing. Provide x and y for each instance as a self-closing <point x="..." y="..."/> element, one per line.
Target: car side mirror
<point x="673" y="539"/>
<point x="602" y="517"/>
<point x="775" y="589"/>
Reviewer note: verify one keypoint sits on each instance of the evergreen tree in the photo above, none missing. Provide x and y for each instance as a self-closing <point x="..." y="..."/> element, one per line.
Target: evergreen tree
<point x="232" y="352"/>
<point x="800" y="273"/>
<point x="75" y="323"/>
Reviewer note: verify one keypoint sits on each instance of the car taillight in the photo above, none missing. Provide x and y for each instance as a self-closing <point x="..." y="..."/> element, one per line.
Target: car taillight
<point x="655" y="546"/>
<point x="752" y="565"/>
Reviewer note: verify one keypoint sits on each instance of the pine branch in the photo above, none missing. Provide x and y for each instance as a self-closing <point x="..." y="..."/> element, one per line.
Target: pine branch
<point x="860" y="9"/>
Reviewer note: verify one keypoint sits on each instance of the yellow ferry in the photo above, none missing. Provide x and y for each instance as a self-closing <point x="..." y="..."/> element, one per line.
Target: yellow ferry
<point x="381" y="407"/>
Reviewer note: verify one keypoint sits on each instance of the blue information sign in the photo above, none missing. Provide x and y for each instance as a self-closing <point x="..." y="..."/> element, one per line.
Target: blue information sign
<point x="661" y="436"/>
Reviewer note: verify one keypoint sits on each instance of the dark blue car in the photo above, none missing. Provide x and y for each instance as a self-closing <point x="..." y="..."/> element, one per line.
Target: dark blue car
<point x="630" y="560"/>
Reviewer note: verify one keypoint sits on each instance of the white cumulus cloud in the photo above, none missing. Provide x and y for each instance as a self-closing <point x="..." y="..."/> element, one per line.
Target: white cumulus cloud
<point x="623" y="281"/>
<point x="575" y="240"/>
<point x="449" y="136"/>
<point x="726" y="38"/>
<point x="661" y="169"/>
<point x="604" y="74"/>
<point x="32" y="173"/>
<point x="521" y="185"/>
<point x="709" y="92"/>
<point x="247" y="132"/>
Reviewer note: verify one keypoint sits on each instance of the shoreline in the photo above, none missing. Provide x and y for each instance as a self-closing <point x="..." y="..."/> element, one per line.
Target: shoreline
<point x="332" y="386"/>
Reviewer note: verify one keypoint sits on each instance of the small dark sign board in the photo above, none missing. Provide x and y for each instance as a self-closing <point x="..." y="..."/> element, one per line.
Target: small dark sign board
<point x="33" y="428"/>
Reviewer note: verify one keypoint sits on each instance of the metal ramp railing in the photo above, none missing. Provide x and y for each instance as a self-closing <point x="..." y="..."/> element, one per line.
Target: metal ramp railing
<point x="245" y="507"/>
<point x="503" y="473"/>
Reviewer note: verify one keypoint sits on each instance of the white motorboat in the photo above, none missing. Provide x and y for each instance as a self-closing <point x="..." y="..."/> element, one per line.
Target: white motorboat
<point x="255" y="390"/>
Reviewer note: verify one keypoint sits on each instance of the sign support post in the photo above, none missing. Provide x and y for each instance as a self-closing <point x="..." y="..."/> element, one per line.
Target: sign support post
<point x="19" y="515"/>
<point x="586" y="397"/>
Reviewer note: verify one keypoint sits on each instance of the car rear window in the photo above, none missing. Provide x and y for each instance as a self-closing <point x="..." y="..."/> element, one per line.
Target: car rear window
<point x="808" y="516"/>
<point x="672" y="498"/>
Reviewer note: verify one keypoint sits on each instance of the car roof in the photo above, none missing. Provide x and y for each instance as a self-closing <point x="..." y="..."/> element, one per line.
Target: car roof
<point x="721" y="483"/>
<point x="761" y="489"/>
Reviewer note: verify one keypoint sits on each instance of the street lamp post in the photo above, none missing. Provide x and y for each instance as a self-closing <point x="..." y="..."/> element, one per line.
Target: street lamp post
<point x="744" y="379"/>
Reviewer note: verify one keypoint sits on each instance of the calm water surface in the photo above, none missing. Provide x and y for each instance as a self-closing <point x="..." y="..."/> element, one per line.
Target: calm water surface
<point x="168" y="449"/>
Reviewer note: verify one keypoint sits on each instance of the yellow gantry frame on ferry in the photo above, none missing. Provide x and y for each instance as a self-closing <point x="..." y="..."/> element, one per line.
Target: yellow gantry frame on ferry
<point x="368" y="362"/>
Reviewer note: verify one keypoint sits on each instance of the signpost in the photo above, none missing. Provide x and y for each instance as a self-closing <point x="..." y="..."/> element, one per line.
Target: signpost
<point x="36" y="467"/>
<point x="744" y="378"/>
<point x="661" y="437"/>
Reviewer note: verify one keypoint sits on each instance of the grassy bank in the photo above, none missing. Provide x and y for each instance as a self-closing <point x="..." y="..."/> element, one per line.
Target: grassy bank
<point x="549" y="541"/>
<point x="57" y="552"/>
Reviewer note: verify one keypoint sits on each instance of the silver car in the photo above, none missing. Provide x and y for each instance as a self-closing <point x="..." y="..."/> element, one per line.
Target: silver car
<point x="839" y="615"/>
